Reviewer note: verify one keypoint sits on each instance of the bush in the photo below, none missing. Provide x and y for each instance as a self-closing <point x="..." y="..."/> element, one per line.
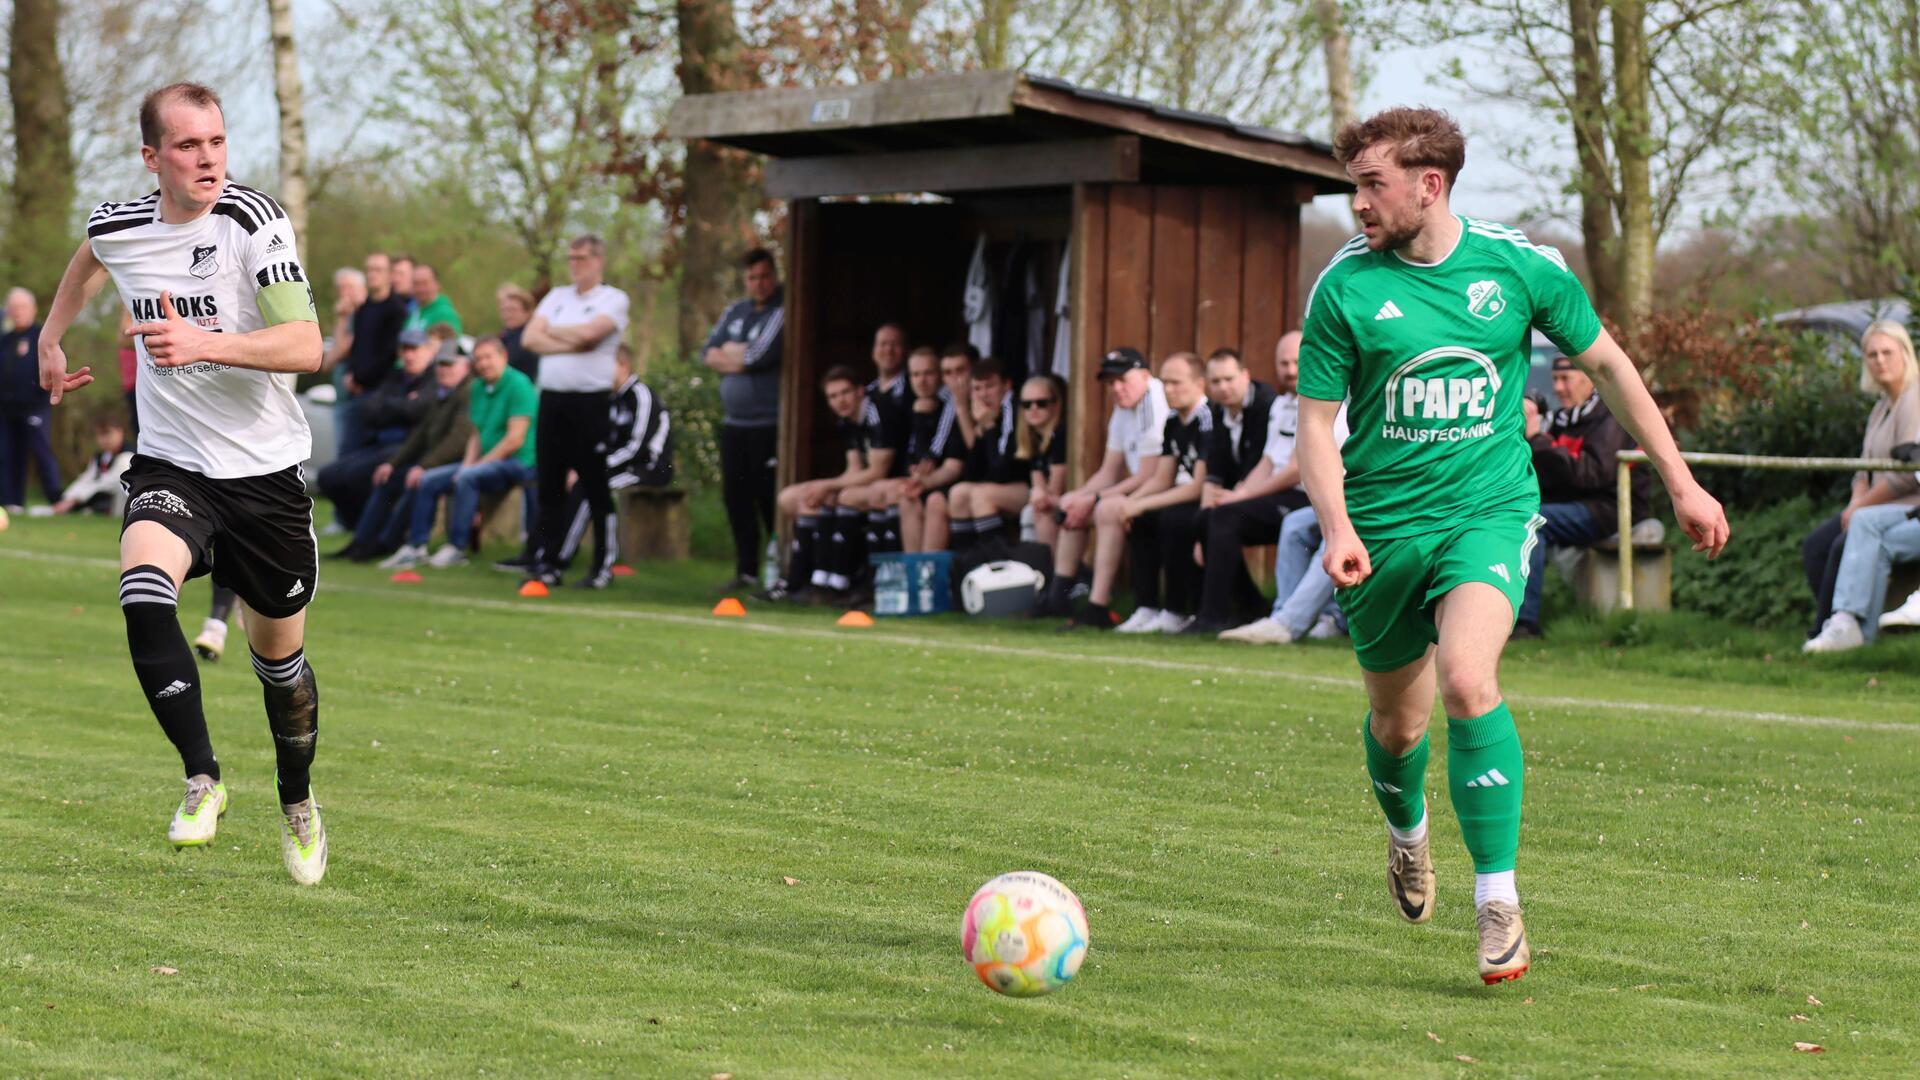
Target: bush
<point x="1807" y="405"/>
<point x="1757" y="580"/>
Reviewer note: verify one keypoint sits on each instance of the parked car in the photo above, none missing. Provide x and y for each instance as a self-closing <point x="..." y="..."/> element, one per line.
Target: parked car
<point x="1841" y="324"/>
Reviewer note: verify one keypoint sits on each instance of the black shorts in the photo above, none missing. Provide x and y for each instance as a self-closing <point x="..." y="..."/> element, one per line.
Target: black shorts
<point x="254" y="534"/>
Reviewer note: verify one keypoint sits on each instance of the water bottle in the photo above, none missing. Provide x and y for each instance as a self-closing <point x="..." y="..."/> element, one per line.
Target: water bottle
<point x="770" y="565"/>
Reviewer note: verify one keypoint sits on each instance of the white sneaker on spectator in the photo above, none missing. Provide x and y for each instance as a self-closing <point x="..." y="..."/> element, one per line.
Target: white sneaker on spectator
<point x="1325" y="628"/>
<point x="1267" y="631"/>
<point x="1840" y="633"/>
<point x="1907" y="614"/>
<point x="1142" y="621"/>
<point x="448" y="555"/>
<point x="1171" y="622"/>
<point x="333" y="528"/>
<point x="408" y="557"/>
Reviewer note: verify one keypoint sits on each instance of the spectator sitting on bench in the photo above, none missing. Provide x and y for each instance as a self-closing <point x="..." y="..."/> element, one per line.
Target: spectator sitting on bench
<point x="640" y="454"/>
<point x="890" y="367"/>
<point x="1876" y="528"/>
<point x="1303" y="593"/>
<point x="438" y="440"/>
<point x="97" y="489"/>
<point x="994" y="482"/>
<point x="1252" y="480"/>
<point x="1575" y="452"/>
<point x="1888" y="369"/>
<point x="503" y="406"/>
<point x="1135" y="435"/>
<point x="954" y="435"/>
<point x="928" y="422"/>
<point x="825" y="557"/>
<point x="1158" y="522"/>
<point x="1042" y="443"/>
<point x="385" y="415"/>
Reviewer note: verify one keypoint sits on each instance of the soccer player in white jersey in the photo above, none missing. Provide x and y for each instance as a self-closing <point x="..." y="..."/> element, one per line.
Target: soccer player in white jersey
<point x="1429" y="508"/>
<point x="223" y="321"/>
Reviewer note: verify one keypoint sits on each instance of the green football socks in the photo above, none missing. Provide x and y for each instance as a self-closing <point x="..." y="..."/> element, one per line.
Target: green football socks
<point x="1399" y="782"/>
<point x="1485" y="770"/>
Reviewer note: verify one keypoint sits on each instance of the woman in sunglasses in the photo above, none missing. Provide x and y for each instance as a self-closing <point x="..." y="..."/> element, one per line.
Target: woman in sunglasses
<point x="1042" y="443"/>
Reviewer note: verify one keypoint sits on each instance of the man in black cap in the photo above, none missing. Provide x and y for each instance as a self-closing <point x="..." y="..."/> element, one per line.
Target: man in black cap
<point x="1575" y="453"/>
<point x="1135" y="437"/>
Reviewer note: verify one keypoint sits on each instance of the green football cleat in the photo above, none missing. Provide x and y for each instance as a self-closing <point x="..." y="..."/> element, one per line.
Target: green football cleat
<point x="199" y="815"/>
<point x="303" y="841"/>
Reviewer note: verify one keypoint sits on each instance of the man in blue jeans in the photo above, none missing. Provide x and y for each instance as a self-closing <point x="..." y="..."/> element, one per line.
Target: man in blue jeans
<point x="1575" y="453"/>
<point x="1303" y="593"/>
<point x="499" y="455"/>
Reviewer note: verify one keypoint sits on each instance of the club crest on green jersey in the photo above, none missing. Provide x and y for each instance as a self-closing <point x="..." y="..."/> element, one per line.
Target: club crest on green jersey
<point x="1484" y="300"/>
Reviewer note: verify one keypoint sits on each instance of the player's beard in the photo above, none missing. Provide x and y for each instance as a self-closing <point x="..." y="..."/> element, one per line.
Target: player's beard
<point x="1396" y="236"/>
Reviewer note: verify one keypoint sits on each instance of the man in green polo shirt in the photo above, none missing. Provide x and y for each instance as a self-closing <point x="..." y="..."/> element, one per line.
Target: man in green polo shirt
<point x="500" y="454"/>
<point x="1430" y="509"/>
<point x="430" y="306"/>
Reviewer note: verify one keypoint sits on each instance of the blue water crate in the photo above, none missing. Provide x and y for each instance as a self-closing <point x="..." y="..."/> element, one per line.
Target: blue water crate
<point x="912" y="583"/>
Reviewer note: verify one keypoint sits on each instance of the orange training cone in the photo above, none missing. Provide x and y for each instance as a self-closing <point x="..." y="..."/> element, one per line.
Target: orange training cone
<point x="854" y="618"/>
<point x="533" y="588"/>
<point x="406" y="577"/>
<point x="730" y="608"/>
<point x="622" y="570"/>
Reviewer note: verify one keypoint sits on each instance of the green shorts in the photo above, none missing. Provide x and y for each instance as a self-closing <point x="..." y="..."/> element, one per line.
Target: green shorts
<point x="1390" y="615"/>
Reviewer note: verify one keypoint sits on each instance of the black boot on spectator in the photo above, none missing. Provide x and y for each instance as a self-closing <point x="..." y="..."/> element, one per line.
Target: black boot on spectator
<point x="1092" y="616"/>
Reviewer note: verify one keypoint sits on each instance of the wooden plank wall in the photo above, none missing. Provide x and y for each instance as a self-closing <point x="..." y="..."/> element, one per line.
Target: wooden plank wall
<point x="1169" y="268"/>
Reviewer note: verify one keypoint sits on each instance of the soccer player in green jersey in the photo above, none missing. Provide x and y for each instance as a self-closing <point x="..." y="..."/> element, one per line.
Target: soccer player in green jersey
<point x="1431" y="508"/>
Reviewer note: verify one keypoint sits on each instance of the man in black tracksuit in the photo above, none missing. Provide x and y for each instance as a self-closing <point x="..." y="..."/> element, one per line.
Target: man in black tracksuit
<point x="744" y="350"/>
<point x="1252" y="480"/>
<point x="639" y="452"/>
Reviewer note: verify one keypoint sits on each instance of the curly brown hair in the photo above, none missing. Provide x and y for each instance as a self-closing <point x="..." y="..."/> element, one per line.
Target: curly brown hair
<point x="1420" y="139"/>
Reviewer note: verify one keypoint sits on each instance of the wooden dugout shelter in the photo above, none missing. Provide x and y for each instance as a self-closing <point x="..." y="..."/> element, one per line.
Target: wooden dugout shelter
<point x="1182" y="230"/>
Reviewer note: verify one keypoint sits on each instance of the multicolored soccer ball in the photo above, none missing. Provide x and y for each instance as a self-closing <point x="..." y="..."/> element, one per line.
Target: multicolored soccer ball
<point x="1024" y="933"/>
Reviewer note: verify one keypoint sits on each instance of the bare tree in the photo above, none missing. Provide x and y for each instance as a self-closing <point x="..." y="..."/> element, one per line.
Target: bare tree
<point x="293" y="119"/>
<point x="1336" y="48"/>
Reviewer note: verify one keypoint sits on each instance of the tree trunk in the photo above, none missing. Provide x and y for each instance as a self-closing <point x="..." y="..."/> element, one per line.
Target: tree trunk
<point x="293" y="117"/>
<point x="993" y="31"/>
<point x="1633" y="149"/>
<point x="722" y="192"/>
<point x="1336" y="47"/>
<point x="40" y="241"/>
<point x="1595" y="178"/>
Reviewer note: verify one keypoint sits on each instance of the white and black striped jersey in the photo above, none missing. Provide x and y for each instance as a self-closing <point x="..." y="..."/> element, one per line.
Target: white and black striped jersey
<point x="232" y="270"/>
<point x="639" y="449"/>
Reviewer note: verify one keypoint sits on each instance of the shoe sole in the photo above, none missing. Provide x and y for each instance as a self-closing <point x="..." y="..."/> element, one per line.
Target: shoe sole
<point x="204" y="653"/>
<point x="1494" y="978"/>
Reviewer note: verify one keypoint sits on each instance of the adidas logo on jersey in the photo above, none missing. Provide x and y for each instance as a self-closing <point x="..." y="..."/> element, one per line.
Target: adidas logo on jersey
<point x="1501" y="569"/>
<point x="1490" y="778"/>
<point x="275" y="244"/>
<point x="298" y="588"/>
<point x="174" y="687"/>
<point x="1388" y="310"/>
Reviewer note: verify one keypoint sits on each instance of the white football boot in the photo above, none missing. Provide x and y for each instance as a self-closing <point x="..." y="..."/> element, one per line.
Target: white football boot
<point x="198" y="817"/>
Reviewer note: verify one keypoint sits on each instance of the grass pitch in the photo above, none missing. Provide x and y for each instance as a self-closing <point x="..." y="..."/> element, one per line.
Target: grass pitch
<point x="562" y="831"/>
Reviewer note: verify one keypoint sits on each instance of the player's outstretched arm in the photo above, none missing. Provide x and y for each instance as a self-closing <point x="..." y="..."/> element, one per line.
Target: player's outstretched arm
<point x="82" y="279"/>
<point x="1324" y="475"/>
<point x="174" y="342"/>
<point x="1699" y="514"/>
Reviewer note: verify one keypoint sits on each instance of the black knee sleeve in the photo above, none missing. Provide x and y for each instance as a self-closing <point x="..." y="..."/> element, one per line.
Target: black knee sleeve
<point x="293" y="713"/>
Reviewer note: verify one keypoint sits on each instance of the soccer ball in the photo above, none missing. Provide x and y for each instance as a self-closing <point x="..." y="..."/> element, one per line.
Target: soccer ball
<point x="1024" y="933"/>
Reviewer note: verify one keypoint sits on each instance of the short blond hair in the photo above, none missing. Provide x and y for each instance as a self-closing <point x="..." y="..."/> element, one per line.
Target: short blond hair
<point x="513" y="292"/>
<point x="1893" y="330"/>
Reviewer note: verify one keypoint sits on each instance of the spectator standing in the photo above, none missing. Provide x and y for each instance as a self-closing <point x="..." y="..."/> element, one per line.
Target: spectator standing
<point x="430" y="305"/>
<point x="1888" y="366"/>
<point x="576" y="330"/>
<point x="403" y="280"/>
<point x="371" y="334"/>
<point x="24" y="410"/>
<point x="1575" y="454"/>
<point x="745" y="351"/>
<point x="515" y="305"/>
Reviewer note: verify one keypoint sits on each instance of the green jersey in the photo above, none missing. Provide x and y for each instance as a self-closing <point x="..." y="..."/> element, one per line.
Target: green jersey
<point x="1433" y="361"/>
<point x="511" y="395"/>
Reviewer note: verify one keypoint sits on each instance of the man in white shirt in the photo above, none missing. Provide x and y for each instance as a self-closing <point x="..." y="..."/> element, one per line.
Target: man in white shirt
<point x="1134" y="448"/>
<point x="576" y="330"/>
